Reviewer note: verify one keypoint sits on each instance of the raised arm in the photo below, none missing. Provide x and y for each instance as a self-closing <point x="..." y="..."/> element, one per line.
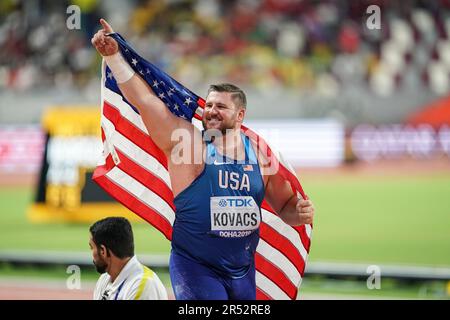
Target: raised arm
<point x="156" y="116"/>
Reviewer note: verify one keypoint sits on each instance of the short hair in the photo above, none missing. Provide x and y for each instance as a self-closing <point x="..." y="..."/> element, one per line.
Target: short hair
<point x="114" y="233"/>
<point x="237" y="94"/>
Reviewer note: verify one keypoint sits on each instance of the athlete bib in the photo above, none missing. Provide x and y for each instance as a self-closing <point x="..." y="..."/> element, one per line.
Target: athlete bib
<point x="234" y="216"/>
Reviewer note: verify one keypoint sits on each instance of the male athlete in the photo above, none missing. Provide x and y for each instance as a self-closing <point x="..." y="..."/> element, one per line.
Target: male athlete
<point x="123" y="276"/>
<point x="217" y="199"/>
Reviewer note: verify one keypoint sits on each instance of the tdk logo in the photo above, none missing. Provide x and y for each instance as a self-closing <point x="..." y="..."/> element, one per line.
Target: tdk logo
<point x="235" y="202"/>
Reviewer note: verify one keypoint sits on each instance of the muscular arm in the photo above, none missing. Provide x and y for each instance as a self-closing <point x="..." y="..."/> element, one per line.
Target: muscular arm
<point x="156" y="116"/>
<point x="279" y="194"/>
<point x="284" y="201"/>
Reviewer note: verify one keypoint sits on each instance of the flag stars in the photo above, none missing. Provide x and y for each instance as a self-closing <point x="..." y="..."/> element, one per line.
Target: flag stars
<point x="162" y="95"/>
<point x="141" y="72"/>
<point x="176" y="107"/>
<point x="134" y="62"/>
<point x="188" y="101"/>
<point x="110" y="76"/>
<point x="148" y="71"/>
<point x="155" y="84"/>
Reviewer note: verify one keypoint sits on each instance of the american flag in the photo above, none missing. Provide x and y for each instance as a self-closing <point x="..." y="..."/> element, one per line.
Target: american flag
<point x="134" y="171"/>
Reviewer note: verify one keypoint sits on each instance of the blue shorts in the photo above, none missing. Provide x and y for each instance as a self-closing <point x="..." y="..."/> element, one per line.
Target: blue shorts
<point x="194" y="281"/>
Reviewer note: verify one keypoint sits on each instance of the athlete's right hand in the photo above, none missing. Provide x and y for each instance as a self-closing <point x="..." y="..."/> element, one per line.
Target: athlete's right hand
<point x="105" y="45"/>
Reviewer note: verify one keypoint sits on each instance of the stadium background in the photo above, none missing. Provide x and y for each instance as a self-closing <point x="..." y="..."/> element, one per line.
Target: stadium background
<point x="367" y="112"/>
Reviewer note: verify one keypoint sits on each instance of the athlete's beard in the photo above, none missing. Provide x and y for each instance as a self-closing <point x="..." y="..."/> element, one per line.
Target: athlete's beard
<point x="100" y="266"/>
<point x="224" y="126"/>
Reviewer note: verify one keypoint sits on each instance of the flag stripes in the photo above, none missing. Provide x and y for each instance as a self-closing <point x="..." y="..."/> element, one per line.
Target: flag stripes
<point x="134" y="171"/>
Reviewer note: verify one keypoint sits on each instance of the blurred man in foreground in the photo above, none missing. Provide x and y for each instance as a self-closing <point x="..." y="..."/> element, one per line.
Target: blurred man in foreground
<point x="123" y="276"/>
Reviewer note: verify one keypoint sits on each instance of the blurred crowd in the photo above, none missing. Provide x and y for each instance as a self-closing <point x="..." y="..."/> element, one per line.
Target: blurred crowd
<point x="302" y="45"/>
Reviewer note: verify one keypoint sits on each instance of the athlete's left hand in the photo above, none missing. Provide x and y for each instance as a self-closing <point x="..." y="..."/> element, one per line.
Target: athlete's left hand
<point x="305" y="211"/>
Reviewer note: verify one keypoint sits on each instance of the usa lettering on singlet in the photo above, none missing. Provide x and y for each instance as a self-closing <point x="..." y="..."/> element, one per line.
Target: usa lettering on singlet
<point x="234" y="216"/>
<point x="218" y="216"/>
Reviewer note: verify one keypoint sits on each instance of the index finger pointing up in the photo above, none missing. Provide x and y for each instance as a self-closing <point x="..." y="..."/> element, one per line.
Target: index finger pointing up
<point x="106" y="26"/>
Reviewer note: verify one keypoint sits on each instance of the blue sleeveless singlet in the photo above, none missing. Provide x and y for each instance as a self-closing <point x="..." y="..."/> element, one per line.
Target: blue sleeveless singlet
<point x="218" y="216"/>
